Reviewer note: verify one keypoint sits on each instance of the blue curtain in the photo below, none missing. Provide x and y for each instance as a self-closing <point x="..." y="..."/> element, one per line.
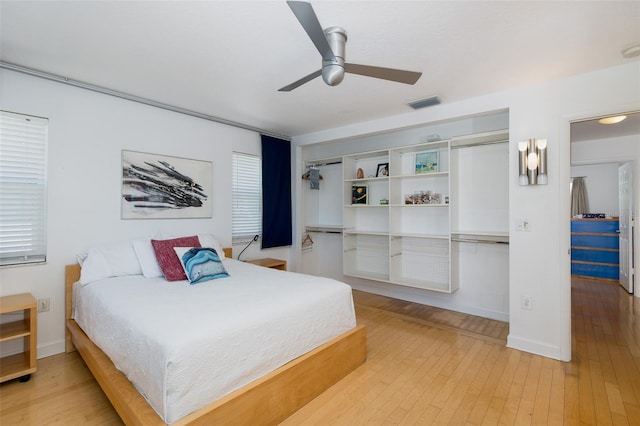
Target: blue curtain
<point x="276" y="192"/>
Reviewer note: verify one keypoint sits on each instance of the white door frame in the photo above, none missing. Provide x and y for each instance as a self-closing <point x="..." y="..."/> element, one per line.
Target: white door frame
<point x="564" y="157"/>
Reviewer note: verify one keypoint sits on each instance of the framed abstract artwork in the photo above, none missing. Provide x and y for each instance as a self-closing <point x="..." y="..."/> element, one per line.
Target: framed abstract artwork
<point x="163" y="187"/>
<point x="359" y="194"/>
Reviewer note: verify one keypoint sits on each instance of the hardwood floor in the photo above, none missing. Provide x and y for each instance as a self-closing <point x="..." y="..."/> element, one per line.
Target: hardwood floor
<point x="424" y="366"/>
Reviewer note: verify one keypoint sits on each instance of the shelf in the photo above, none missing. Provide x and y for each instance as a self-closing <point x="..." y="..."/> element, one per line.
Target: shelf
<point x="364" y="206"/>
<point x="480" y="237"/>
<point x="420" y="175"/>
<point x="481" y="233"/>
<point x="330" y="229"/>
<point x="368" y="275"/>
<point x="427" y="146"/>
<point x="269" y="262"/>
<point x="24" y="363"/>
<point x="363" y="232"/>
<point x="487" y="138"/>
<point x="16" y="302"/>
<point x="426" y="236"/>
<point x="13" y="330"/>
<point x="367" y="179"/>
<point x="420" y="205"/>
<point x="426" y="285"/>
<point x="14" y="366"/>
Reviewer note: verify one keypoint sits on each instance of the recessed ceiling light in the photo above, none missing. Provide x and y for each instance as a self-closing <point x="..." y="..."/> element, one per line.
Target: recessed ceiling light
<point x="612" y="120"/>
<point x="631" y="51"/>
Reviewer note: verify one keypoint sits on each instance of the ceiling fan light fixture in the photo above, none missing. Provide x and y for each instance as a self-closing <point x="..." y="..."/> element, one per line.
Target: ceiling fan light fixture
<point x="332" y="74"/>
<point x="612" y="120"/>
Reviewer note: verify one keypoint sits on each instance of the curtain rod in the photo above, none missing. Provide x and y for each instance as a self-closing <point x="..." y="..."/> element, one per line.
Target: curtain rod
<point x="133" y="98"/>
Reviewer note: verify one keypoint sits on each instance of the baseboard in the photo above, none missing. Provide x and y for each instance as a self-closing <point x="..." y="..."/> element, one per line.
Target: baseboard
<point x="535" y="347"/>
<point x="50" y="349"/>
<point x="438" y="302"/>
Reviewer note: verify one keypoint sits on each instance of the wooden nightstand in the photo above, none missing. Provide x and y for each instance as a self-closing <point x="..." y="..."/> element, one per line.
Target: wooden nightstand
<point x="24" y="363"/>
<point x="268" y="262"/>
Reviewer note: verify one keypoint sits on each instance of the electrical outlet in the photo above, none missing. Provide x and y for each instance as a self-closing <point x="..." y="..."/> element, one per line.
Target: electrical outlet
<point x="526" y="303"/>
<point x="522" y="225"/>
<point x="43" y="304"/>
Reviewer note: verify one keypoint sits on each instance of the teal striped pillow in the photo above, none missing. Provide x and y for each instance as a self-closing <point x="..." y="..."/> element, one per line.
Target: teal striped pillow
<point x="201" y="264"/>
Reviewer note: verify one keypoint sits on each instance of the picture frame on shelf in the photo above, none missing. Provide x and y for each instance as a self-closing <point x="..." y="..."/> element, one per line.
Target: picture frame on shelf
<point x="427" y="161"/>
<point x="359" y="194"/>
<point x="382" y="170"/>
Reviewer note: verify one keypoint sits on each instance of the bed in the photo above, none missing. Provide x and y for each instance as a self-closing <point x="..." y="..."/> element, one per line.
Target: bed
<point x="266" y="390"/>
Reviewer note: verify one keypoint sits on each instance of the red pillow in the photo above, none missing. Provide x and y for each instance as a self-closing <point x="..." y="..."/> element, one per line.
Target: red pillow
<point x="168" y="259"/>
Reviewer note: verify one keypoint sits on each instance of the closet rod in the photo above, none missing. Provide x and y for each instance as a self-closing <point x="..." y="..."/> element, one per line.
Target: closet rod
<point x="466" y="240"/>
<point x="320" y="163"/>
<point x="479" y="144"/>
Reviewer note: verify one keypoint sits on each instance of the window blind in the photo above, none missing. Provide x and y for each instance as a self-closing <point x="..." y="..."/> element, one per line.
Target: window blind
<point x="246" y="197"/>
<point x="23" y="188"/>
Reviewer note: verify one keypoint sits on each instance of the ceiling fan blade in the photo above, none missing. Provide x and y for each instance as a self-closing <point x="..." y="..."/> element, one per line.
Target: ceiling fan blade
<point x="309" y="21"/>
<point x="400" y="76"/>
<point x="300" y="82"/>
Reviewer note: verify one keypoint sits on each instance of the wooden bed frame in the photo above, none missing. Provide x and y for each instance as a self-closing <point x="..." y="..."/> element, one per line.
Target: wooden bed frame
<point x="267" y="400"/>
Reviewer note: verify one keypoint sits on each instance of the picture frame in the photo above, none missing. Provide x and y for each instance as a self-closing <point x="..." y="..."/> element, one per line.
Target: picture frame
<point x="427" y="161"/>
<point x="382" y="170"/>
<point x="359" y="194"/>
<point x="164" y="187"/>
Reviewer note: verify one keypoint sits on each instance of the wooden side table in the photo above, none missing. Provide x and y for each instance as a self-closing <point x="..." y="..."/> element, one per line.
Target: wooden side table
<point x="24" y="363"/>
<point x="268" y="262"/>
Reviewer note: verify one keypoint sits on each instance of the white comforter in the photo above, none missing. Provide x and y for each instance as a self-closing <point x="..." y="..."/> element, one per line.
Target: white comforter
<point x="184" y="346"/>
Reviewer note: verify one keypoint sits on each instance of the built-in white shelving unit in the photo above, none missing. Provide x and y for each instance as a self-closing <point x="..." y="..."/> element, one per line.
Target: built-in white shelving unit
<point x="445" y="231"/>
<point x="400" y="231"/>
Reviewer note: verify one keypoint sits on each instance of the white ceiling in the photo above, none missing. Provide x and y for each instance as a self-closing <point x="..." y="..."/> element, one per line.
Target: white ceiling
<point x="593" y="130"/>
<point x="227" y="59"/>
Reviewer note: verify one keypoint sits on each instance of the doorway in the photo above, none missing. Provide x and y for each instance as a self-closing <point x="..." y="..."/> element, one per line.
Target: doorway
<point x="602" y="155"/>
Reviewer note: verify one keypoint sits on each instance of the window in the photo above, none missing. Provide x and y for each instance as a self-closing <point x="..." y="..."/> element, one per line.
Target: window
<point x="23" y="189"/>
<point x="246" y="197"/>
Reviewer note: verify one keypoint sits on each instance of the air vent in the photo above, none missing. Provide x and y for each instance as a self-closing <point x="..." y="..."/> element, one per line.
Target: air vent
<point x="423" y="103"/>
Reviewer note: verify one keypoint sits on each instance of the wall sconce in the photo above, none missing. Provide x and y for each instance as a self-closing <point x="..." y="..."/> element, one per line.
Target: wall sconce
<point x="532" y="162"/>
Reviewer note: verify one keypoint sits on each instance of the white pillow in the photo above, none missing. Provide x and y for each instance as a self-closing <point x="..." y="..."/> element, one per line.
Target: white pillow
<point x="147" y="258"/>
<point x="111" y="260"/>
<point x="208" y="240"/>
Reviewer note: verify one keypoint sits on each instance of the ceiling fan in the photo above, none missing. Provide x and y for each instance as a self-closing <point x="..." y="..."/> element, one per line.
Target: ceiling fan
<point x="330" y="42"/>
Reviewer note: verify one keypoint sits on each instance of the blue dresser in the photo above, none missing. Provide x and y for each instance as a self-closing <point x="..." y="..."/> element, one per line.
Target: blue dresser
<point x="594" y="248"/>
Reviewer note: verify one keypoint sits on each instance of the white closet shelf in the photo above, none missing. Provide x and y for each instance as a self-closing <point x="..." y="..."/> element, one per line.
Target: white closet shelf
<point x="480" y="237"/>
<point x="324" y="228"/>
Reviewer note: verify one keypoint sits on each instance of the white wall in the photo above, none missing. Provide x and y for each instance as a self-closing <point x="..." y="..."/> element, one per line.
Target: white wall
<point x="539" y="261"/>
<point x="598" y="160"/>
<point x="87" y="132"/>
